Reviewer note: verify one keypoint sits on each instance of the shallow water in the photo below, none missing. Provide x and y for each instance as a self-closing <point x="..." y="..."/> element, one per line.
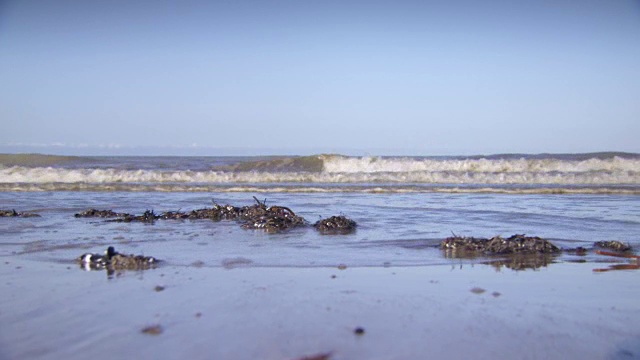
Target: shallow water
<point x="393" y="229"/>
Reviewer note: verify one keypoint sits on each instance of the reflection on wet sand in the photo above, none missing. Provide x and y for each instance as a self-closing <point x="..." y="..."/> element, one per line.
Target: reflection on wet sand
<point x="516" y="262"/>
<point x="112" y="271"/>
<point x="523" y="262"/>
<point x="634" y="263"/>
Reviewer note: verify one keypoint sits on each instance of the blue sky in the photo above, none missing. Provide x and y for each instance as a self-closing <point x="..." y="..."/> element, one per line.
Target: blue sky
<point x="300" y="77"/>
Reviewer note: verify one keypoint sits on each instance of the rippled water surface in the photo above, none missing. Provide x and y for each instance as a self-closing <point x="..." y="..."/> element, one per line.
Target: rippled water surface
<point x="393" y="229"/>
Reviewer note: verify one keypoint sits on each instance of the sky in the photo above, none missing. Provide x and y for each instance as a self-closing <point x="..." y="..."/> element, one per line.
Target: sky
<point x="302" y="77"/>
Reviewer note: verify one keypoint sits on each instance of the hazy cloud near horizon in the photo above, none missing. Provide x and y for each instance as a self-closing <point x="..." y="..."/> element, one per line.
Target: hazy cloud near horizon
<point x="360" y="77"/>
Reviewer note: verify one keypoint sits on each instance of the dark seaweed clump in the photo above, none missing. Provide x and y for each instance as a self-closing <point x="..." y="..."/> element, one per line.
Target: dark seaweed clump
<point x="516" y="244"/>
<point x="257" y="216"/>
<point x="148" y="217"/>
<point x="336" y="225"/>
<point x="100" y="214"/>
<point x="217" y="212"/>
<point x="613" y="245"/>
<point x="13" y="213"/>
<point x="270" y="219"/>
<point x="112" y="260"/>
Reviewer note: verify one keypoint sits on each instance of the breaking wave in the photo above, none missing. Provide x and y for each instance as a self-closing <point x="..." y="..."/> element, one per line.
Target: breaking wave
<point x="602" y="170"/>
<point x="504" y="164"/>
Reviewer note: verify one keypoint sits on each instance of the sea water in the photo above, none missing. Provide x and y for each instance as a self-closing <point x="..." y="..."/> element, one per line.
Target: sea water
<point x="404" y="206"/>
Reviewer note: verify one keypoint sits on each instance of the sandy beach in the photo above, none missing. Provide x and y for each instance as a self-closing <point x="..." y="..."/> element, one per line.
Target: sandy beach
<point x="58" y="311"/>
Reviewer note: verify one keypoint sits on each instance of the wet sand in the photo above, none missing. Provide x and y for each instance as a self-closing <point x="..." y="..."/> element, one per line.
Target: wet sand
<point x="57" y="311"/>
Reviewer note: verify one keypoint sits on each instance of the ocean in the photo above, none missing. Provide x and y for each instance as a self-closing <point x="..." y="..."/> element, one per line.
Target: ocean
<point x="404" y="206"/>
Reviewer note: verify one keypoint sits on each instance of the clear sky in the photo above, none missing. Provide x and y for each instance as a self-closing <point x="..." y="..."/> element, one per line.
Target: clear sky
<point x="302" y="76"/>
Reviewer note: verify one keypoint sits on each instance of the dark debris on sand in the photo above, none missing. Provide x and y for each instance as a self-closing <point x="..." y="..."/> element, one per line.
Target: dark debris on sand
<point x="217" y="212"/>
<point x="518" y="252"/>
<point x="257" y="216"/>
<point x="112" y="260"/>
<point x="271" y="219"/>
<point x="148" y="217"/>
<point x="516" y="244"/>
<point x="14" y="213"/>
<point x="613" y="245"/>
<point x="322" y="356"/>
<point x="152" y="330"/>
<point x="100" y="214"/>
<point x="336" y="225"/>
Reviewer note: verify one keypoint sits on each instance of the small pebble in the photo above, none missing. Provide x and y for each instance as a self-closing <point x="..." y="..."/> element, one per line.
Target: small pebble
<point x="198" y="263"/>
<point x="495" y="294"/>
<point x="478" y="290"/>
<point x="358" y="331"/>
<point x="158" y="288"/>
<point x="152" y="330"/>
<point x="342" y="266"/>
<point x="324" y="356"/>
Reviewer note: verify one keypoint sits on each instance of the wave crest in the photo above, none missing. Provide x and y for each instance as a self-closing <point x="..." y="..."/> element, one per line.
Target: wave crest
<point x="344" y="164"/>
<point x="312" y="163"/>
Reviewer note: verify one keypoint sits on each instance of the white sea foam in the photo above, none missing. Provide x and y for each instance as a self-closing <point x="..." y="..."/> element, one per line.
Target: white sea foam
<point x="101" y="176"/>
<point x="343" y="164"/>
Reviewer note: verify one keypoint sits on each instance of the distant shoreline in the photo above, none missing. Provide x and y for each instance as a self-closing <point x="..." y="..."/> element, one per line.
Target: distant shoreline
<point x="34" y="159"/>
